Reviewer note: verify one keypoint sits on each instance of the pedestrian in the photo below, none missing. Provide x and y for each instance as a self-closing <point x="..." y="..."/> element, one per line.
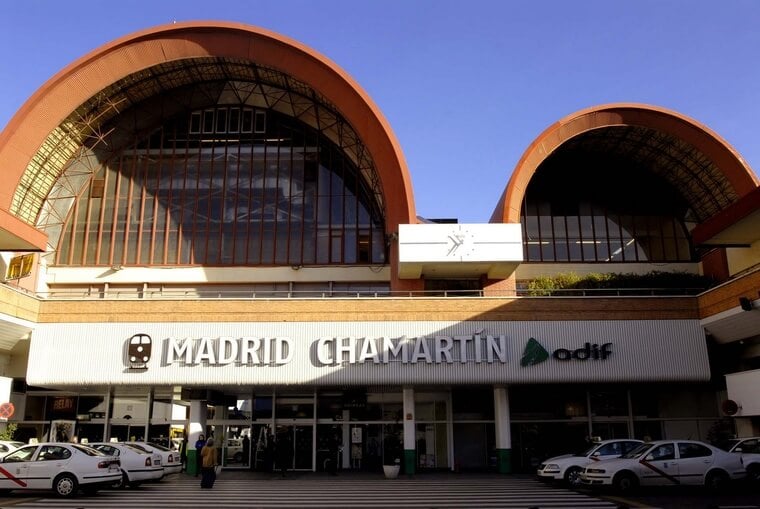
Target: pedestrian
<point x="333" y="447"/>
<point x="183" y="454"/>
<point x="284" y="453"/>
<point x="208" y="472"/>
<point x="246" y="449"/>
<point x="198" y="447"/>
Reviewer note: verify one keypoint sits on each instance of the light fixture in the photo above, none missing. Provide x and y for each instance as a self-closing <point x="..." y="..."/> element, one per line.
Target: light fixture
<point x="117" y="267"/>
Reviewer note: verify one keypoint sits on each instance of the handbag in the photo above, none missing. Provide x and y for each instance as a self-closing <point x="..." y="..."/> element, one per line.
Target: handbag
<point x="217" y="469"/>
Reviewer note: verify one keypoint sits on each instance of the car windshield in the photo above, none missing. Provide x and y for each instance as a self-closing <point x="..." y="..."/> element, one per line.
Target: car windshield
<point x="638" y="451"/>
<point x="89" y="451"/>
<point x="727" y="445"/>
<point x="138" y="447"/>
<point x="586" y="452"/>
<point x="159" y="447"/>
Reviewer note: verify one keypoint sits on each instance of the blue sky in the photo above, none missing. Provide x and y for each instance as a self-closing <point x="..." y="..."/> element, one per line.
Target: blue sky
<point x="466" y="85"/>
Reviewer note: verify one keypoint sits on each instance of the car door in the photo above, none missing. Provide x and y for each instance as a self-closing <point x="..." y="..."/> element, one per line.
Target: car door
<point x="15" y="467"/>
<point x="659" y="467"/>
<point x="50" y="461"/>
<point x="693" y="461"/>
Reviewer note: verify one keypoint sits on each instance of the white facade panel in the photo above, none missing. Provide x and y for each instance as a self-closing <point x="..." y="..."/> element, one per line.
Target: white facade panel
<point x="743" y="388"/>
<point x="302" y="353"/>
<point x="499" y="242"/>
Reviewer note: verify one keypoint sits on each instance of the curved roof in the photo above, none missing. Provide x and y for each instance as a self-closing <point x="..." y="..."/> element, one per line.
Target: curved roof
<point x="704" y="168"/>
<point x="70" y="109"/>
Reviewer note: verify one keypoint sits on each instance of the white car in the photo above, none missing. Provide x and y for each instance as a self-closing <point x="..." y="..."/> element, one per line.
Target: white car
<point x="568" y="467"/>
<point x="137" y="466"/>
<point x="62" y="467"/>
<point x="170" y="460"/>
<point x="7" y="446"/>
<point x="667" y="463"/>
<point x="749" y="448"/>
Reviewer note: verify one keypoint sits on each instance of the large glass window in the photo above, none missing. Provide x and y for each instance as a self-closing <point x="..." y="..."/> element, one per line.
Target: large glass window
<point x="584" y="205"/>
<point x="225" y="186"/>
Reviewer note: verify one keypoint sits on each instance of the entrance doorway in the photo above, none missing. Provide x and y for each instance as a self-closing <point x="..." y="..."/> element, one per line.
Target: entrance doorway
<point x="294" y="446"/>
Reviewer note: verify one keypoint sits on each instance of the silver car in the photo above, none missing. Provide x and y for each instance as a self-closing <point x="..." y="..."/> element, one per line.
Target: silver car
<point x="667" y="463"/>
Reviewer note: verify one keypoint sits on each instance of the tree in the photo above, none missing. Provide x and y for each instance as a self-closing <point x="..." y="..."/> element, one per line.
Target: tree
<point x="8" y="432"/>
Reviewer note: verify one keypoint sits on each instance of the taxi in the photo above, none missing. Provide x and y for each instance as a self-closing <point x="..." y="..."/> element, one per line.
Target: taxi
<point x="137" y="466"/>
<point x="567" y="467"/>
<point x="62" y="467"/>
<point x="667" y="463"/>
<point x="171" y="461"/>
<point x="749" y="448"/>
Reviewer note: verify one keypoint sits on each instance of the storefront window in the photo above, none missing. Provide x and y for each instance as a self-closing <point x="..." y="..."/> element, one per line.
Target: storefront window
<point x="262" y="407"/>
<point x="472" y="404"/>
<point x="547" y="402"/>
<point x="612" y="402"/>
<point x="130" y="407"/>
<point x="35" y="408"/>
<point x="294" y="408"/>
<point x="92" y="406"/>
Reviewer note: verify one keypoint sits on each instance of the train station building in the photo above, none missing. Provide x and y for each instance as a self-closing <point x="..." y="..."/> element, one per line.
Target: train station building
<point x="211" y="228"/>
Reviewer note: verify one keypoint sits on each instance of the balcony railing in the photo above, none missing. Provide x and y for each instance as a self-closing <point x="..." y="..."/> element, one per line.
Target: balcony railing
<point x="114" y="294"/>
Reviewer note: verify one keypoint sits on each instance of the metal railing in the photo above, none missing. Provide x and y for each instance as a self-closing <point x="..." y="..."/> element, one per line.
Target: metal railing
<point x="191" y="294"/>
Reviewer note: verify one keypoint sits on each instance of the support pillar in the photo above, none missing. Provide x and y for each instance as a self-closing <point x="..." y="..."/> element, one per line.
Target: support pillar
<point x="410" y="432"/>
<point x="503" y="431"/>
<point x="197" y="428"/>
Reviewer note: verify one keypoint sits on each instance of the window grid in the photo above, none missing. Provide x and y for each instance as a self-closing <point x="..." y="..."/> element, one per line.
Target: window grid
<point x="665" y="240"/>
<point x="178" y="198"/>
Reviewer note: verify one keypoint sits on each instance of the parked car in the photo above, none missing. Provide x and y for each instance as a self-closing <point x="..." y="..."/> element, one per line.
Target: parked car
<point x="667" y="463"/>
<point x="170" y="460"/>
<point x="62" y="467"/>
<point x="7" y="446"/>
<point x="137" y="466"/>
<point x="568" y="467"/>
<point x="749" y="448"/>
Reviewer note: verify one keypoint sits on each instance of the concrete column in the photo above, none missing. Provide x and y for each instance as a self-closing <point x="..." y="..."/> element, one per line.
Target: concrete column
<point x="410" y="432"/>
<point x="197" y="428"/>
<point x="503" y="432"/>
<point x="5" y="397"/>
<point x="107" y="415"/>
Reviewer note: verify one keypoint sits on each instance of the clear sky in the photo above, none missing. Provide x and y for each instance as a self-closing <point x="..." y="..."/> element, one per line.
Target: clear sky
<point x="466" y="85"/>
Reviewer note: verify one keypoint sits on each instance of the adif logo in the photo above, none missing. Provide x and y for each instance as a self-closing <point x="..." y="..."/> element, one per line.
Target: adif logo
<point x="138" y="351"/>
<point x="535" y="353"/>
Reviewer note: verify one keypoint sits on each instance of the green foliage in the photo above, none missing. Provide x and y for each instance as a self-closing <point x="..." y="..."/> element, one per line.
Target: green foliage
<point x="8" y="432"/>
<point x="655" y="282"/>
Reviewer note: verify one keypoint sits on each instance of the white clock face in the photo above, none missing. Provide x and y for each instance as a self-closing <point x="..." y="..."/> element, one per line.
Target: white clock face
<point x="458" y="242"/>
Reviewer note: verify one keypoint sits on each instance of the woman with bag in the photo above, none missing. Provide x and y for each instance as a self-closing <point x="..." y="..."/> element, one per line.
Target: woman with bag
<point x="208" y="469"/>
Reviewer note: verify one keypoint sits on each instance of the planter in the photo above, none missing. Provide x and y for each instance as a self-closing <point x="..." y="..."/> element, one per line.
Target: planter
<point x="391" y="471"/>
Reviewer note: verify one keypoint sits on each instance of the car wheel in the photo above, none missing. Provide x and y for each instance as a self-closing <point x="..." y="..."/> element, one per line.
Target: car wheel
<point x="625" y="482"/>
<point x="237" y="457"/>
<point x="573" y="477"/>
<point x="65" y="485"/>
<point x="716" y="480"/>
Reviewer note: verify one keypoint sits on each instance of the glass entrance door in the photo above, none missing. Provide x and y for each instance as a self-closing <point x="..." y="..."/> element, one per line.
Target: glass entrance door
<point x="294" y="445"/>
<point x="236" y="446"/>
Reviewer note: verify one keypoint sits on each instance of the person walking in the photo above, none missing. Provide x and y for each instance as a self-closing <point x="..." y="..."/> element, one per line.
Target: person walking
<point x="198" y="448"/>
<point x="208" y="471"/>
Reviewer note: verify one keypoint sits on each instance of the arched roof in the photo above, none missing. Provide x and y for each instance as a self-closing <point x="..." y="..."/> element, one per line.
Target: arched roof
<point x="703" y="167"/>
<point x="72" y="106"/>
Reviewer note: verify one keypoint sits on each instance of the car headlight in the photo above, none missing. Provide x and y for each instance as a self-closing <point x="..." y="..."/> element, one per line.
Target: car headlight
<point x="551" y="467"/>
<point x="595" y="470"/>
